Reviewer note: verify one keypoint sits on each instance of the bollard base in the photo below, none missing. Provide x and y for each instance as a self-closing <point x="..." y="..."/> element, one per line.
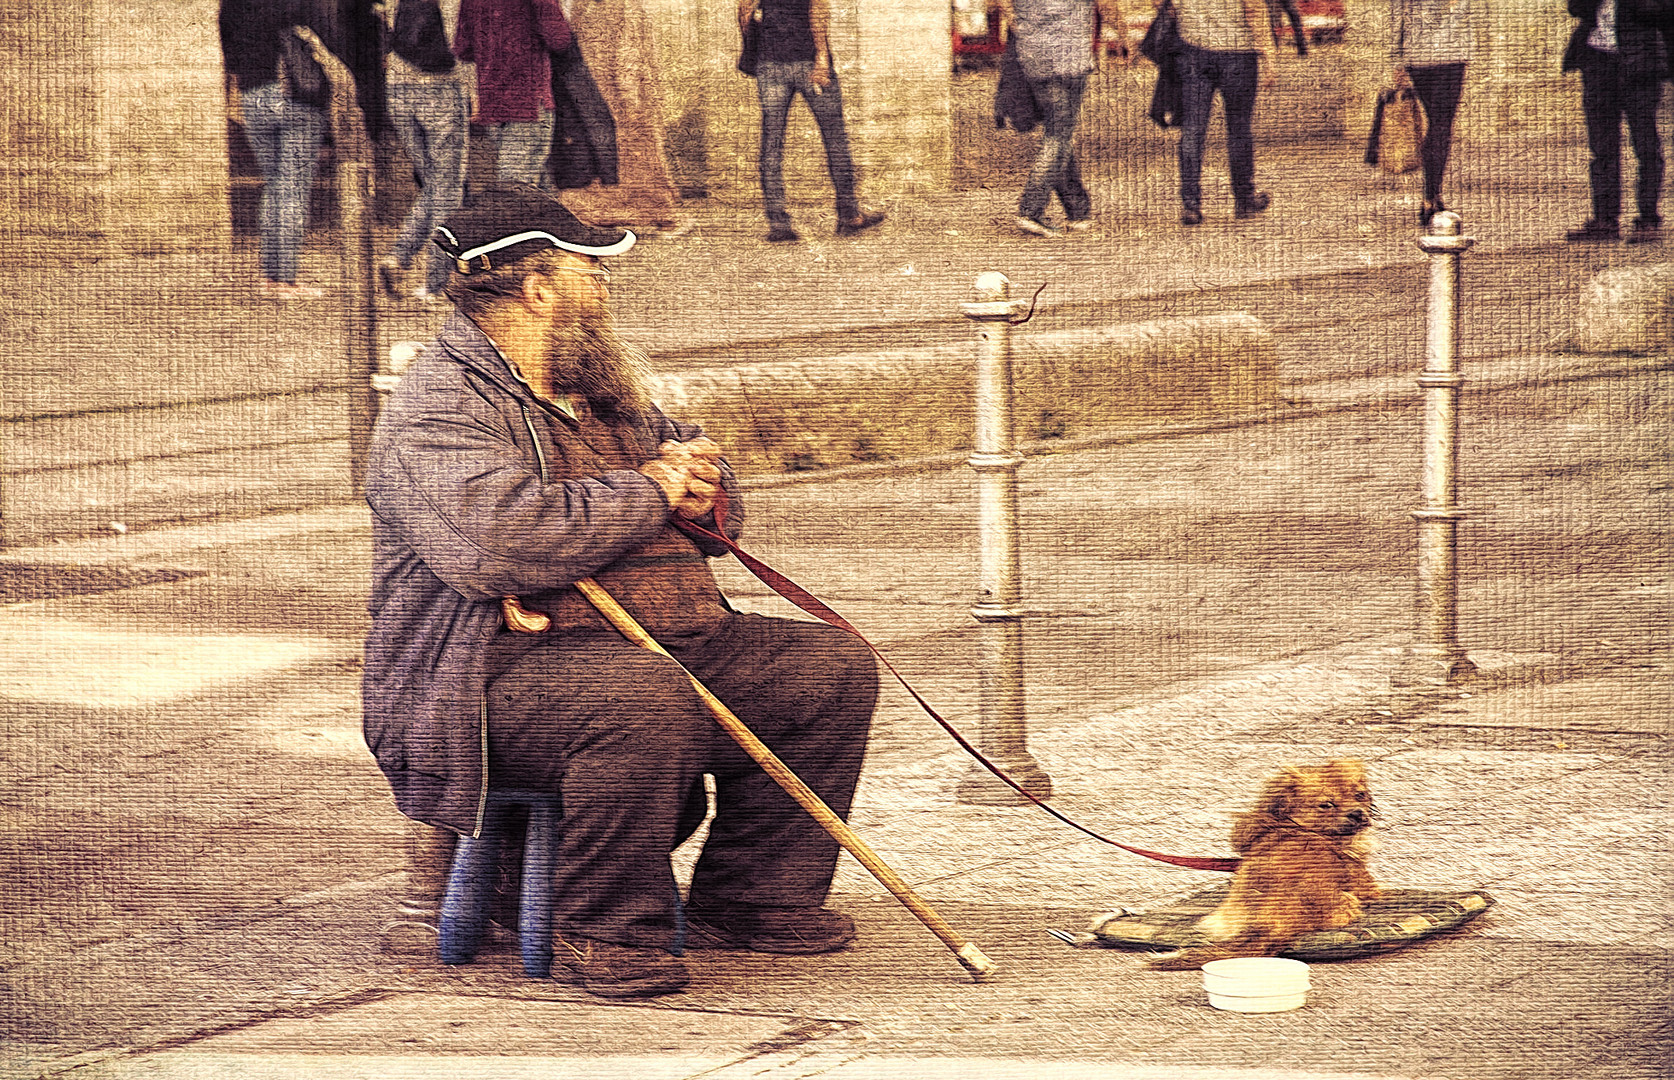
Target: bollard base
<point x="982" y="788"/>
<point x="1428" y="666"/>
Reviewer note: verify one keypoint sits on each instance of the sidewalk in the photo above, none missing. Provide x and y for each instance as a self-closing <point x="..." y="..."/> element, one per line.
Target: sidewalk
<point x="203" y="854"/>
<point x="200" y="854"/>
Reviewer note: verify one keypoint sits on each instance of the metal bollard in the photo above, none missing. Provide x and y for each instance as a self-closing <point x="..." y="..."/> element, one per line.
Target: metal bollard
<point x="1438" y="650"/>
<point x="1003" y="733"/>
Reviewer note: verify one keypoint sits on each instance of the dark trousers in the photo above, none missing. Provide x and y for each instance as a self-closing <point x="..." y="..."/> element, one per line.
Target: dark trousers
<point x="1608" y="96"/>
<point x="1055" y="170"/>
<point x="777" y="85"/>
<point x="1438" y="87"/>
<point x="620" y="734"/>
<point x="1235" y="75"/>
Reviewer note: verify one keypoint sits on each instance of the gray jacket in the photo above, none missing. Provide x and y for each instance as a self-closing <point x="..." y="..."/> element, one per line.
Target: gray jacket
<point x="464" y="513"/>
<point x="1054" y="37"/>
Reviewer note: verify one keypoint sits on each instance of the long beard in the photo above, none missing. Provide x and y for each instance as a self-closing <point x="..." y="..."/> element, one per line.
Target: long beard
<point x="585" y="356"/>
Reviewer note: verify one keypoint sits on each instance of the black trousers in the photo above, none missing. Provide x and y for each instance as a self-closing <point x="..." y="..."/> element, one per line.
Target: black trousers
<point x="620" y="734"/>
<point x="1438" y="87"/>
<point x="1609" y="95"/>
<point x="1237" y="76"/>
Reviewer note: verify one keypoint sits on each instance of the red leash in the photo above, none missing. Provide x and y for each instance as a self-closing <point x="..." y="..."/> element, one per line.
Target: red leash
<point x="810" y="603"/>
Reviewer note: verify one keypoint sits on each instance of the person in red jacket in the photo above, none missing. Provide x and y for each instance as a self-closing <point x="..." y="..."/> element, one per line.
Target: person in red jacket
<point x="511" y="42"/>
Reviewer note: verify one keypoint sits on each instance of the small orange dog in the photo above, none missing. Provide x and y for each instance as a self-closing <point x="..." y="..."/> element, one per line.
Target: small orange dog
<point x="1304" y="851"/>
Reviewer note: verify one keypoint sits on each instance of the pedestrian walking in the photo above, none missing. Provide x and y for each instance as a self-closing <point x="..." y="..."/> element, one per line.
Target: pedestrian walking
<point x="795" y="59"/>
<point x="1226" y="48"/>
<point x="1057" y="43"/>
<point x="520" y="454"/>
<point x="1431" y="42"/>
<point x="1619" y="49"/>
<point x="285" y="110"/>
<point x="429" y="95"/>
<point x="511" y="42"/>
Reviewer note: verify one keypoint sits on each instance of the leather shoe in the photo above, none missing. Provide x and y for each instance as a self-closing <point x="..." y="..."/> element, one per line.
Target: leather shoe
<point x="866" y="220"/>
<point x="1035" y="226"/>
<point x="1252" y="206"/>
<point x="796" y="931"/>
<point x="1191" y="215"/>
<point x="1593" y="231"/>
<point x="605" y="969"/>
<point x="782" y="234"/>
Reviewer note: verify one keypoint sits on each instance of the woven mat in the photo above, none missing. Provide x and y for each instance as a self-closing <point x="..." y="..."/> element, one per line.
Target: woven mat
<point x="1402" y="917"/>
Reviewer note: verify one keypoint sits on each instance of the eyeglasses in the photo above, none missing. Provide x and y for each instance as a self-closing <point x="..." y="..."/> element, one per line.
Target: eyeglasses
<point x="601" y="271"/>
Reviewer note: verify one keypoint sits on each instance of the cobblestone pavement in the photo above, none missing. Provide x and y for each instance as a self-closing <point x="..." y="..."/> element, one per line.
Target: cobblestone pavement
<point x="200" y="855"/>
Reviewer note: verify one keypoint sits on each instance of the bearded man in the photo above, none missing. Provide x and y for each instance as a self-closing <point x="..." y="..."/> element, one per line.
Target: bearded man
<point x="520" y="454"/>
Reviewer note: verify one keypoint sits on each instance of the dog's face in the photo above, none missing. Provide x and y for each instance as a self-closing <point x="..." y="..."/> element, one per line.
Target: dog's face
<point x="1332" y="799"/>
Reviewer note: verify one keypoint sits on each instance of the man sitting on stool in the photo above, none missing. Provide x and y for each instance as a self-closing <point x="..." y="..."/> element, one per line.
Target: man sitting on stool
<point x="520" y="454"/>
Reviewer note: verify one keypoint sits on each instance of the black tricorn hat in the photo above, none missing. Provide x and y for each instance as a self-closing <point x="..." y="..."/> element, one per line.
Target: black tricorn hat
<point x="501" y="223"/>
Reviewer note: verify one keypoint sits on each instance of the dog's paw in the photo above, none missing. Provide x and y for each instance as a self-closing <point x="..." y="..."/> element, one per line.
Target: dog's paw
<point x="1347" y="910"/>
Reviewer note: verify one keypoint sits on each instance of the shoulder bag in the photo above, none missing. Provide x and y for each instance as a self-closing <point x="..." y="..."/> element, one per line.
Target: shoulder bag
<point x="1397" y="131"/>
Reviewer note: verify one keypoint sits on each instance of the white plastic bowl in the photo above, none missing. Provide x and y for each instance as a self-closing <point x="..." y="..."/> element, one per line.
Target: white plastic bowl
<point x="1257" y="984"/>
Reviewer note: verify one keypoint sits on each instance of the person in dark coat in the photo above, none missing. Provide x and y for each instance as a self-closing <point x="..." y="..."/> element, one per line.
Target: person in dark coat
<point x="584" y="131"/>
<point x="520" y="454"/>
<point x="1620" y="50"/>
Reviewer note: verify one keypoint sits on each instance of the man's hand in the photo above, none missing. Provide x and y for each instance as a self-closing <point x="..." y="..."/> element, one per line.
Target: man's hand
<point x="820" y="76"/>
<point x="701" y="447"/>
<point x="689" y="474"/>
<point x="703" y="487"/>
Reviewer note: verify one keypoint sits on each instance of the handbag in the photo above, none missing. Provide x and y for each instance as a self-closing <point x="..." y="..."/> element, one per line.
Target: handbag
<point x="300" y="74"/>
<point x="1397" y="131"/>
<point x="750" y="50"/>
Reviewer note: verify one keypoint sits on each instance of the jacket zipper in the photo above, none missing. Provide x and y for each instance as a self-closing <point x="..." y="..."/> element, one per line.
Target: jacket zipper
<point x="482" y="792"/>
<point x="540" y="455"/>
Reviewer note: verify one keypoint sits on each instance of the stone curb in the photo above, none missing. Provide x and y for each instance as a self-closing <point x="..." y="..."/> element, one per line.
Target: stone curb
<point x="865" y="407"/>
<point x="1629" y="309"/>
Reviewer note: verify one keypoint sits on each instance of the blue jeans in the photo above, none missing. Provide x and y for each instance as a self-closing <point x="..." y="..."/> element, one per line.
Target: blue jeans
<point x="285" y="136"/>
<point x="1236" y="75"/>
<point x="521" y="149"/>
<point x="1055" y="168"/>
<point x="431" y="119"/>
<point x="777" y="84"/>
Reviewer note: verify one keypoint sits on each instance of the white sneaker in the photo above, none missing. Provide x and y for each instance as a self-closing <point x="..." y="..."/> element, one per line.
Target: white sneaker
<point x="1035" y="228"/>
<point x="1080" y="226"/>
<point x="285" y="290"/>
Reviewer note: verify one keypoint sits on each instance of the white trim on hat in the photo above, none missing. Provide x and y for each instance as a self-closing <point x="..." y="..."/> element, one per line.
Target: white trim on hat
<point x="627" y="241"/>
